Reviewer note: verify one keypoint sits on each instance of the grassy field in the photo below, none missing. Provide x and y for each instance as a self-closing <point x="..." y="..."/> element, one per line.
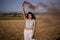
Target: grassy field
<point x="8" y="16"/>
<point x="11" y="18"/>
<point x="48" y="28"/>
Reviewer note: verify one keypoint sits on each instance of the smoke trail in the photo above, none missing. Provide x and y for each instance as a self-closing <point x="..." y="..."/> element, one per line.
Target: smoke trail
<point x="33" y="7"/>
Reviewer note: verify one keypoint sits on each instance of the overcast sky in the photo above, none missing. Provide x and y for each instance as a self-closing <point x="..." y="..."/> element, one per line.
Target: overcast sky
<point x="15" y="5"/>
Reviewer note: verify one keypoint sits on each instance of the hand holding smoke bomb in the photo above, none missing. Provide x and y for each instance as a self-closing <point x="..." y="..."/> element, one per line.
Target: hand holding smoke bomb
<point x="29" y="5"/>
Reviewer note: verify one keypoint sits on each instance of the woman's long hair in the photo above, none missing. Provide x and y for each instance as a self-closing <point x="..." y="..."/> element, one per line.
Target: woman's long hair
<point x="33" y="16"/>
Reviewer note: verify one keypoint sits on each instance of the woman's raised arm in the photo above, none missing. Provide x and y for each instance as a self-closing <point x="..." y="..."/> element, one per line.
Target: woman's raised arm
<point x="24" y="15"/>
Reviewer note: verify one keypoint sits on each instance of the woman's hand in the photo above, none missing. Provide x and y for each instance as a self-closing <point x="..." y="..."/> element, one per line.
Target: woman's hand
<point x="24" y="3"/>
<point x="33" y="33"/>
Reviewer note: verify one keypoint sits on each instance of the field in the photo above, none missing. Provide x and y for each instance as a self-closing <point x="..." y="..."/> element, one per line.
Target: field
<point x="11" y="16"/>
<point x="48" y="28"/>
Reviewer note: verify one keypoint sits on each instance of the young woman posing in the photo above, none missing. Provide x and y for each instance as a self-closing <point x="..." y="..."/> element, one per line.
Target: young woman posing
<point x="30" y="25"/>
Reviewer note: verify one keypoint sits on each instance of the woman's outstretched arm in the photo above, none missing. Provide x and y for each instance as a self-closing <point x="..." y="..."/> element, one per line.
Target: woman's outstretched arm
<point x="24" y="15"/>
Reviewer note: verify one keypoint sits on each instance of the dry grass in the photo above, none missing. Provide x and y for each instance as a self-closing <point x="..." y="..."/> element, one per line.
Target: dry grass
<point x="47" y="28"/>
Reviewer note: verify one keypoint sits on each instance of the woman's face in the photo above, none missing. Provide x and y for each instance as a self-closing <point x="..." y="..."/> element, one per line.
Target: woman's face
<point x="30" y="16"/>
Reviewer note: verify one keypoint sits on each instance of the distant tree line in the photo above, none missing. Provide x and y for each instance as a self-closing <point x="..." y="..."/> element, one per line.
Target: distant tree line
<point x="10" y="14"/>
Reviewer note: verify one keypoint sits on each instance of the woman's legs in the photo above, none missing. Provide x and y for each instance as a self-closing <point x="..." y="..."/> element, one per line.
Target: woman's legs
<point x="28" y="35"/>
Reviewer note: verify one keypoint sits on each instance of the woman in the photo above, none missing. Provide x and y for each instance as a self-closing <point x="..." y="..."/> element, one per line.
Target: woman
<point x="30" y="25"/>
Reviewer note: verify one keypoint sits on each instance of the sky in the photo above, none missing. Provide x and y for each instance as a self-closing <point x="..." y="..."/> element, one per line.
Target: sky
<point x="7" y="6"/>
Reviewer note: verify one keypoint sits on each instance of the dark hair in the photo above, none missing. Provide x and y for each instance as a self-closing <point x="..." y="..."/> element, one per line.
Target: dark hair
<point x="33" y="16"/>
